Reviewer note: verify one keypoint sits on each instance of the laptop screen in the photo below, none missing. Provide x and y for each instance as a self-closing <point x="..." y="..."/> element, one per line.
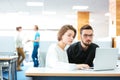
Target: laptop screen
<point x="105" y="58"/>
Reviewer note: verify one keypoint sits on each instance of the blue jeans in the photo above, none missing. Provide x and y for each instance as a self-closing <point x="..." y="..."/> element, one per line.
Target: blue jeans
<point x="35" y="55"/>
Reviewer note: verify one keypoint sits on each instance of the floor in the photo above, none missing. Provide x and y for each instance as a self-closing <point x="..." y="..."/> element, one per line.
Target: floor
<point x="20" y="74"/>
<point x="24" y="68"/>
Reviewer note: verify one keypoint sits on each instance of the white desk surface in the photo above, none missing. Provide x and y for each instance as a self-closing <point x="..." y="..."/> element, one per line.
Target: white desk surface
<point x="7" y="57"/>
<point x="53" y="72"/>
<point x="12" y="67"/>
<point x="42" y="71"/>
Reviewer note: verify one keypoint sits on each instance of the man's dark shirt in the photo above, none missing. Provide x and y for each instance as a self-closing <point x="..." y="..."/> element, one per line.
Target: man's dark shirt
<point x="77" y="55"/>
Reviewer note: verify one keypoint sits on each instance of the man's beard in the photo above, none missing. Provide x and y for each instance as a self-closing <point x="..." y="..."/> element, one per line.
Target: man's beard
<point x="86" y="44"/>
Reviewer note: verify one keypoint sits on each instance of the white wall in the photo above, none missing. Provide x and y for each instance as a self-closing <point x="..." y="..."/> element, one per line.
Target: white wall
<point x="11" y="21"/>
<point x="101" y="27"/>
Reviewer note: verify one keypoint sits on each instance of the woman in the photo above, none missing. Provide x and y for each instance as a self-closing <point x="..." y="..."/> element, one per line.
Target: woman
<point x="56" y="56"/>
<point x="19" y="47"/>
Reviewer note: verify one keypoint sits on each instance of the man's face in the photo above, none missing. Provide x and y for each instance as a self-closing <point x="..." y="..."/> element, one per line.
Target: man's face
<point x="86" y="37"/>
<point x="34" y="28"/>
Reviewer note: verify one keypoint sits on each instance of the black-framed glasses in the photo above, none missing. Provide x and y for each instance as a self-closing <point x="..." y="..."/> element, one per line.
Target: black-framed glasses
<point x="87" y="35"/>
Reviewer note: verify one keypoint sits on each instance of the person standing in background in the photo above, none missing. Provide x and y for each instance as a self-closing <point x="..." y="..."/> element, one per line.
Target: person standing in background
<point x="35" y="46"/>
<point x="19" y="47"/>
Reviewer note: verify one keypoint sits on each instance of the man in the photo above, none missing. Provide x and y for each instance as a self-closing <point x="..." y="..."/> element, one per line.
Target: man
<point x="35" y="46"/>
<point x="83" y="52"/>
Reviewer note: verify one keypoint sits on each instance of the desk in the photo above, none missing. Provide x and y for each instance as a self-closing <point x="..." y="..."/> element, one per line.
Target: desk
<point x="50" y="74"/>
<point x="11" y="65"/>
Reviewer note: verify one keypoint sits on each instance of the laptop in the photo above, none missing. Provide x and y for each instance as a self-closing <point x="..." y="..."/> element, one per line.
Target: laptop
<point x="105" y="59"/>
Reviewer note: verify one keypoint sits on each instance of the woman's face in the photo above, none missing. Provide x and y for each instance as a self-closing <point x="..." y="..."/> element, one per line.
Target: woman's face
<point x="68" y="37"/>
<point x="20" y="29"/>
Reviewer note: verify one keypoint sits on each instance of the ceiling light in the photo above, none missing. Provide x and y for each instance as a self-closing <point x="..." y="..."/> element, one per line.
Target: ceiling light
<point x="12" y="13"/>
<point x="25" y="13"/>
<point x="80" y="7"/>
<point x="49" y="12"/>
<point x="34" y="4"/>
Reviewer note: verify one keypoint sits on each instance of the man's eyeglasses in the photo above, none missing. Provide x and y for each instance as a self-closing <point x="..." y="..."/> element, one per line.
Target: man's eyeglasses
<point x="88" y="35"/>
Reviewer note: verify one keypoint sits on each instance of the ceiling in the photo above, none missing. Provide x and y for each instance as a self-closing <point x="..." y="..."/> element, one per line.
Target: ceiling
<point x="97" y="8"/>
<point x="62" y="7"/>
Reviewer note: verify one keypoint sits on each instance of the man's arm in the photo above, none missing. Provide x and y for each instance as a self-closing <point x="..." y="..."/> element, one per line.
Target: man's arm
<point x="37" y="39"/>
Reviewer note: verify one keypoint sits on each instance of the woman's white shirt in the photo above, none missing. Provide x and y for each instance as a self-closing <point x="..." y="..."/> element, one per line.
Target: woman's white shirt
<point x="19" y="40"/>
<point x="57" y="58"/>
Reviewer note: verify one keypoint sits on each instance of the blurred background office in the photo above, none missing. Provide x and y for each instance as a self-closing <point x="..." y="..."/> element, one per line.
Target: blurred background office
<point x="50" y="15"/>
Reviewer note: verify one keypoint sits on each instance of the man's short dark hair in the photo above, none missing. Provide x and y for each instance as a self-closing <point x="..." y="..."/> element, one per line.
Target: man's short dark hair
<point x="36" y="27"/>
<point x="85" y="27"/>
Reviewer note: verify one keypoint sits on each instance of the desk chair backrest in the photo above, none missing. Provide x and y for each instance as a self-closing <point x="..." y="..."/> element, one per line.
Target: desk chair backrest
<point x="44" y="45"/>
